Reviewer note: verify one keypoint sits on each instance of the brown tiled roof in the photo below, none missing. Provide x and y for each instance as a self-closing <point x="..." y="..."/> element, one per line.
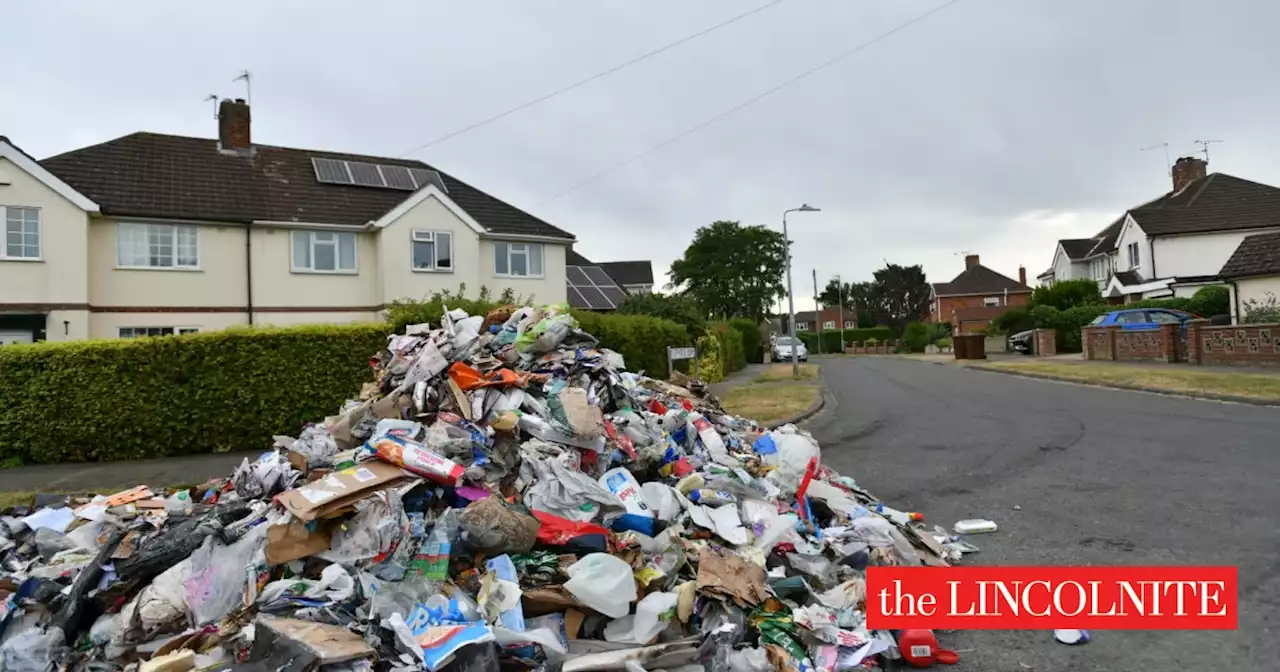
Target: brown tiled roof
<point x="169" y="176"/>
<point x="979" y="280"/>
<point x="1217" y="202"/>
<point x="1256" y="255"/>
<point x="629" y="272"/>
<point x="1106" y="238"/>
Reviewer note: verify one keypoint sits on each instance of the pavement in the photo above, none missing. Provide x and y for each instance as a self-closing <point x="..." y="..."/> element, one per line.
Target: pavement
<point x="1103" y="477"/>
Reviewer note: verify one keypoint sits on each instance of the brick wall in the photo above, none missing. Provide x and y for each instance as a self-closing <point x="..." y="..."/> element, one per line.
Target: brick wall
<point x="1046" y="342"/>
<point x="1233" y="345"/>
<point x="1148" y="345"/>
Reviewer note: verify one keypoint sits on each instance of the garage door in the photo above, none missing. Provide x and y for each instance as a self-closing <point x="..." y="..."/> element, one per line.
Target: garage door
<point x="13" y="337"/>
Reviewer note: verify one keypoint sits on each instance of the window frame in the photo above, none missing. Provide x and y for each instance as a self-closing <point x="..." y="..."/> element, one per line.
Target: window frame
<point x="829" y="324"/>
<point x="509" y="245"/>
<point x="850" y="324"/>
<point x="802" y="326"/>
<point x="4" y="239"/>
<point x="337" y="252"/>
<point x="146" y="228"/>
<point x="990" y="302"/>
<point x="435" y="243"/>
<point x="1134" y="254"/>
<point x="173" y="331"/>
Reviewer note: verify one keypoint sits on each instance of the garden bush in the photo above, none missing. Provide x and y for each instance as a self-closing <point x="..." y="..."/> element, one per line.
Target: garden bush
<point x="915" y="337"/>
<point x="720" y="352"/>
<point x="176" y="395"/>
<point x="752" y="342"/>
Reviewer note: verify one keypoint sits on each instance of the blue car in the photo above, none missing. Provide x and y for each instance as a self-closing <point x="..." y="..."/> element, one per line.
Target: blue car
<point x="1142" y="318"/>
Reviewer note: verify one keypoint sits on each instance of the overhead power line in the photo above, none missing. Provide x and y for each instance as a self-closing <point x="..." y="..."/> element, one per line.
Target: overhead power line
<point x="754" y="99"/>
<point x="603" y="73"/>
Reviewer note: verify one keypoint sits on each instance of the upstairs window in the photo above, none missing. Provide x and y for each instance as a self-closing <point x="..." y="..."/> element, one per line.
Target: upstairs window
<point x="157" y="246"/>
<point x="141" y="332"/>
<point x="517" y="260"/>
<point x="990" y="301"/>
<point x="21" y="233"/>
<point x="324" y="252"/>
<point x="1134" y="259"/>
<point x="432" y="250"/>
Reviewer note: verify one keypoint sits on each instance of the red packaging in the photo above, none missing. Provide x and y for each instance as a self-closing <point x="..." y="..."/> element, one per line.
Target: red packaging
<point x="418" y="459"/>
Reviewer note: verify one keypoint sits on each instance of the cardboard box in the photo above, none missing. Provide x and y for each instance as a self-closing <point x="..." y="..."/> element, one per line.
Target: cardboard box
<point x="339" y="489"/>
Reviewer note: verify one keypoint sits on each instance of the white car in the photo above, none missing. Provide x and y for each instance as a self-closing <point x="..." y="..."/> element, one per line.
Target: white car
<point x="782" y="350"/>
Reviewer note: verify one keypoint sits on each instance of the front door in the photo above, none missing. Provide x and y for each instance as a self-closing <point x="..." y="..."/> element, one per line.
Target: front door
<point x="15" y="337"/>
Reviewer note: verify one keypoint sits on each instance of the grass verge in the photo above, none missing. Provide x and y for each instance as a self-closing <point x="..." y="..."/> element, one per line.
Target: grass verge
<point x="772" y="403"/>
<point x="778" y="372"/>
<point x="1174" y="379"/>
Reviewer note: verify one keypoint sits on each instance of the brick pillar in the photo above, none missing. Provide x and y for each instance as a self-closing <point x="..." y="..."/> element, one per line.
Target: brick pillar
<point x="1084" y="342"/>
<point x="1195" y="342"/>
<point x="1170" y="340"/>
<point x="1112" y="332"/>
<point x="1047" y="342"/>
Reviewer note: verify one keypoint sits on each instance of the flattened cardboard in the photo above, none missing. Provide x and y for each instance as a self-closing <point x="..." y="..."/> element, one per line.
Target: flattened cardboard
<point x="329" y="643"/>
<point x="293" y="541"/>
<point x="338" y="489"/>
<point x="340" y="426"/>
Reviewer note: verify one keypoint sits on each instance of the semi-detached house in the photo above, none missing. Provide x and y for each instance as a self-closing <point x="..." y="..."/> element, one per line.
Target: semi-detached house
<point x="156" y="234"/>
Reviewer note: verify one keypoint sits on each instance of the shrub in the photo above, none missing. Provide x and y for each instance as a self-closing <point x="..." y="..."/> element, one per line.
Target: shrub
<point x="177" y="395"/>
<point x="752" y="341"/>
<point x="943" y="342"/>
<point x="720" y="352"/>
<point x="1210" y="301"/>
<point x="939" y="331"/>
<point x="1262" y="311"/>
<point x="1067" y="294"/>
<point x="677" y="308"/>
<point x="915" y="336"/>
<point x="831" y="338"/>
<point x="1013" y="321"/>
<point x="1067" y="323"/>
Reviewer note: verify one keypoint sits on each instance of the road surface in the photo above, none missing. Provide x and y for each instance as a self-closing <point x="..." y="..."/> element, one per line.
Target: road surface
<point x="1102" y="477"/>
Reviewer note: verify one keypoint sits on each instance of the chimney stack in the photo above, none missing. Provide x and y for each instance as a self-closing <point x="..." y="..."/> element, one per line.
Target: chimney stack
<point x="1022" y="275"/>
<point x="970" y="261"/>
<point x="1187" y="170"/>
<point x="233" y="125"/>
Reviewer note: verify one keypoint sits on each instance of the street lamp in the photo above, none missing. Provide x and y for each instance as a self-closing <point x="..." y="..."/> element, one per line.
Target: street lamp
<point x="791" y="304"/>
<point x="840" y="302"/>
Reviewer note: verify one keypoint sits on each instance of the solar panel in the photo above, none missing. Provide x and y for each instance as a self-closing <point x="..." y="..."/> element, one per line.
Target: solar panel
<point x="397" y="177"/>
<point x="331" y="171"/>
<point x="614" y="294"/>
<point x="576" y="277"/>
<point x="598" y="277"/>
<point x="423" y="177"/>
<point x="365" y="174"/>
<point x="595" y="299"/>
<point x="576" y="300"/>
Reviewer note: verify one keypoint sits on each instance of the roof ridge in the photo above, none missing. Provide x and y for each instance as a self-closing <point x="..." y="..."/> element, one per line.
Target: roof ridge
<point x="256" y="144"/>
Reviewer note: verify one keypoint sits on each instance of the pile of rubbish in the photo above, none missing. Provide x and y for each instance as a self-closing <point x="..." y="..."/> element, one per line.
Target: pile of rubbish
<point x="504" y="496"/>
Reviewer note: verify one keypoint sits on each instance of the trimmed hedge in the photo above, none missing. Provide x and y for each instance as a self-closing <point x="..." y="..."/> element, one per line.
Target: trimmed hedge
<point x="752" y="341"/>
<point x="720" y="352"/>
<point x="831" y="338"/>
<point x="177" y="395"/>
<point x="640" y="339"/>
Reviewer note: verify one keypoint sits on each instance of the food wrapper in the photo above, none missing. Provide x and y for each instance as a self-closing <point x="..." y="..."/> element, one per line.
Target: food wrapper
<point x="419" y="459"/>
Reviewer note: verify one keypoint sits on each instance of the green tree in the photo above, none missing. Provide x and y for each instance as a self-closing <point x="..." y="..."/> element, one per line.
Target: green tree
<point x="732" y="270"/>
<point x="899" y="295"/>
<point x="1067" y="294"/>
<point x="856" y="299"/>
<point x="675" y="307"/>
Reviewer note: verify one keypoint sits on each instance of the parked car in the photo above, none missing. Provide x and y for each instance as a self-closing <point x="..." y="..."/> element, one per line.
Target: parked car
<point x="1023" y="341"/>
<point x="1142" y="318"/>
<point x="783" y="346"/>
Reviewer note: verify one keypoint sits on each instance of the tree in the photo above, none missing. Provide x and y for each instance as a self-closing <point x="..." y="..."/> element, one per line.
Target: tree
<point x="677" y="308"/>
<point x="1067" y="294"/>
<point x="732" y="270"/>
<point x="899" y="295"/>
<point x="856" y="296"/>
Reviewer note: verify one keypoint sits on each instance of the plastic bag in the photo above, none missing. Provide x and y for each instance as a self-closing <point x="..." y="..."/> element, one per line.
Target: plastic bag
<point x="379" y="524"/>
<point x="216" y="583"/>
<point x="661" y="499"/>
<point x="32" y="651"/>
<point x="562" y="491"/>
<point x="335" y="585"/>
<point x="749" y="660"/>
<point x="602" y="582"/>
<point x="653" y="613"/>
<point x="795" y="449"/>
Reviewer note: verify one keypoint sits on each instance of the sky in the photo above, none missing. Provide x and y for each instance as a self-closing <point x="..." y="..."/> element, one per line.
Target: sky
<point x="992" y="127"/>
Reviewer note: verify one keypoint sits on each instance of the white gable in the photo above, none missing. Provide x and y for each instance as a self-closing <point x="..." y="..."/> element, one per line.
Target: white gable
<point x="26" y="164"/>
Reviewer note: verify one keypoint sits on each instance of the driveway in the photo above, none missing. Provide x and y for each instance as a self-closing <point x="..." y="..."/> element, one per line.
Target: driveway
<point x="1102" y="477"/>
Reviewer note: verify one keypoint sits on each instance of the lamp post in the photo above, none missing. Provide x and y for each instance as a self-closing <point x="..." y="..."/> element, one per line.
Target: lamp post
<point x="791" y="304"/>
<point x="840" y="302"/>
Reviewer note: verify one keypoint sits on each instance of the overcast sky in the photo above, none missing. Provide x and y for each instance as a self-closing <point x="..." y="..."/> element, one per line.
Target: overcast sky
<point x="994" y="126"/>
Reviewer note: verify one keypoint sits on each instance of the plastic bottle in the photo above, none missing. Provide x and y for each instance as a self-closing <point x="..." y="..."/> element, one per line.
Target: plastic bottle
<point x="178" y="502"/>
<point x="899" y="517"/>
<point x="639" y="516"/>
<point x="712" y="497"/>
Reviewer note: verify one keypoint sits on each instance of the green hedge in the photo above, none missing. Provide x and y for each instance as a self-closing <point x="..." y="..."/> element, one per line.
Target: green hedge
<point x="176" y="395"/>
<point x="720" y="352"/>
<point x="640" y="339"/>
<point x="831" y="338"/>
<point x="752" y="342"/>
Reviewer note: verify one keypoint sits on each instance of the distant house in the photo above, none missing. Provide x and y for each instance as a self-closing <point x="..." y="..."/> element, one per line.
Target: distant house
<point x="1253" y="273"/>
<point x="825" y="319"/>
<point x="634" y="276"/>
<point x="975" y="297"/>
<point x="1175" y="244"/>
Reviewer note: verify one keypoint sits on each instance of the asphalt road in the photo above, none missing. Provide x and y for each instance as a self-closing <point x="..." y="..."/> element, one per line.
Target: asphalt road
<point x="1103" y="477"/>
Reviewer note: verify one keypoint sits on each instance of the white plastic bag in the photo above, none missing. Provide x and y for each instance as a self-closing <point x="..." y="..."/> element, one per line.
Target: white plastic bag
<point x="795" y="449"/>
<point x="604" y="583"/>
<point x="662" y="499"/>
<point x="653" y="613"/>
<point x="218" y="574"/>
